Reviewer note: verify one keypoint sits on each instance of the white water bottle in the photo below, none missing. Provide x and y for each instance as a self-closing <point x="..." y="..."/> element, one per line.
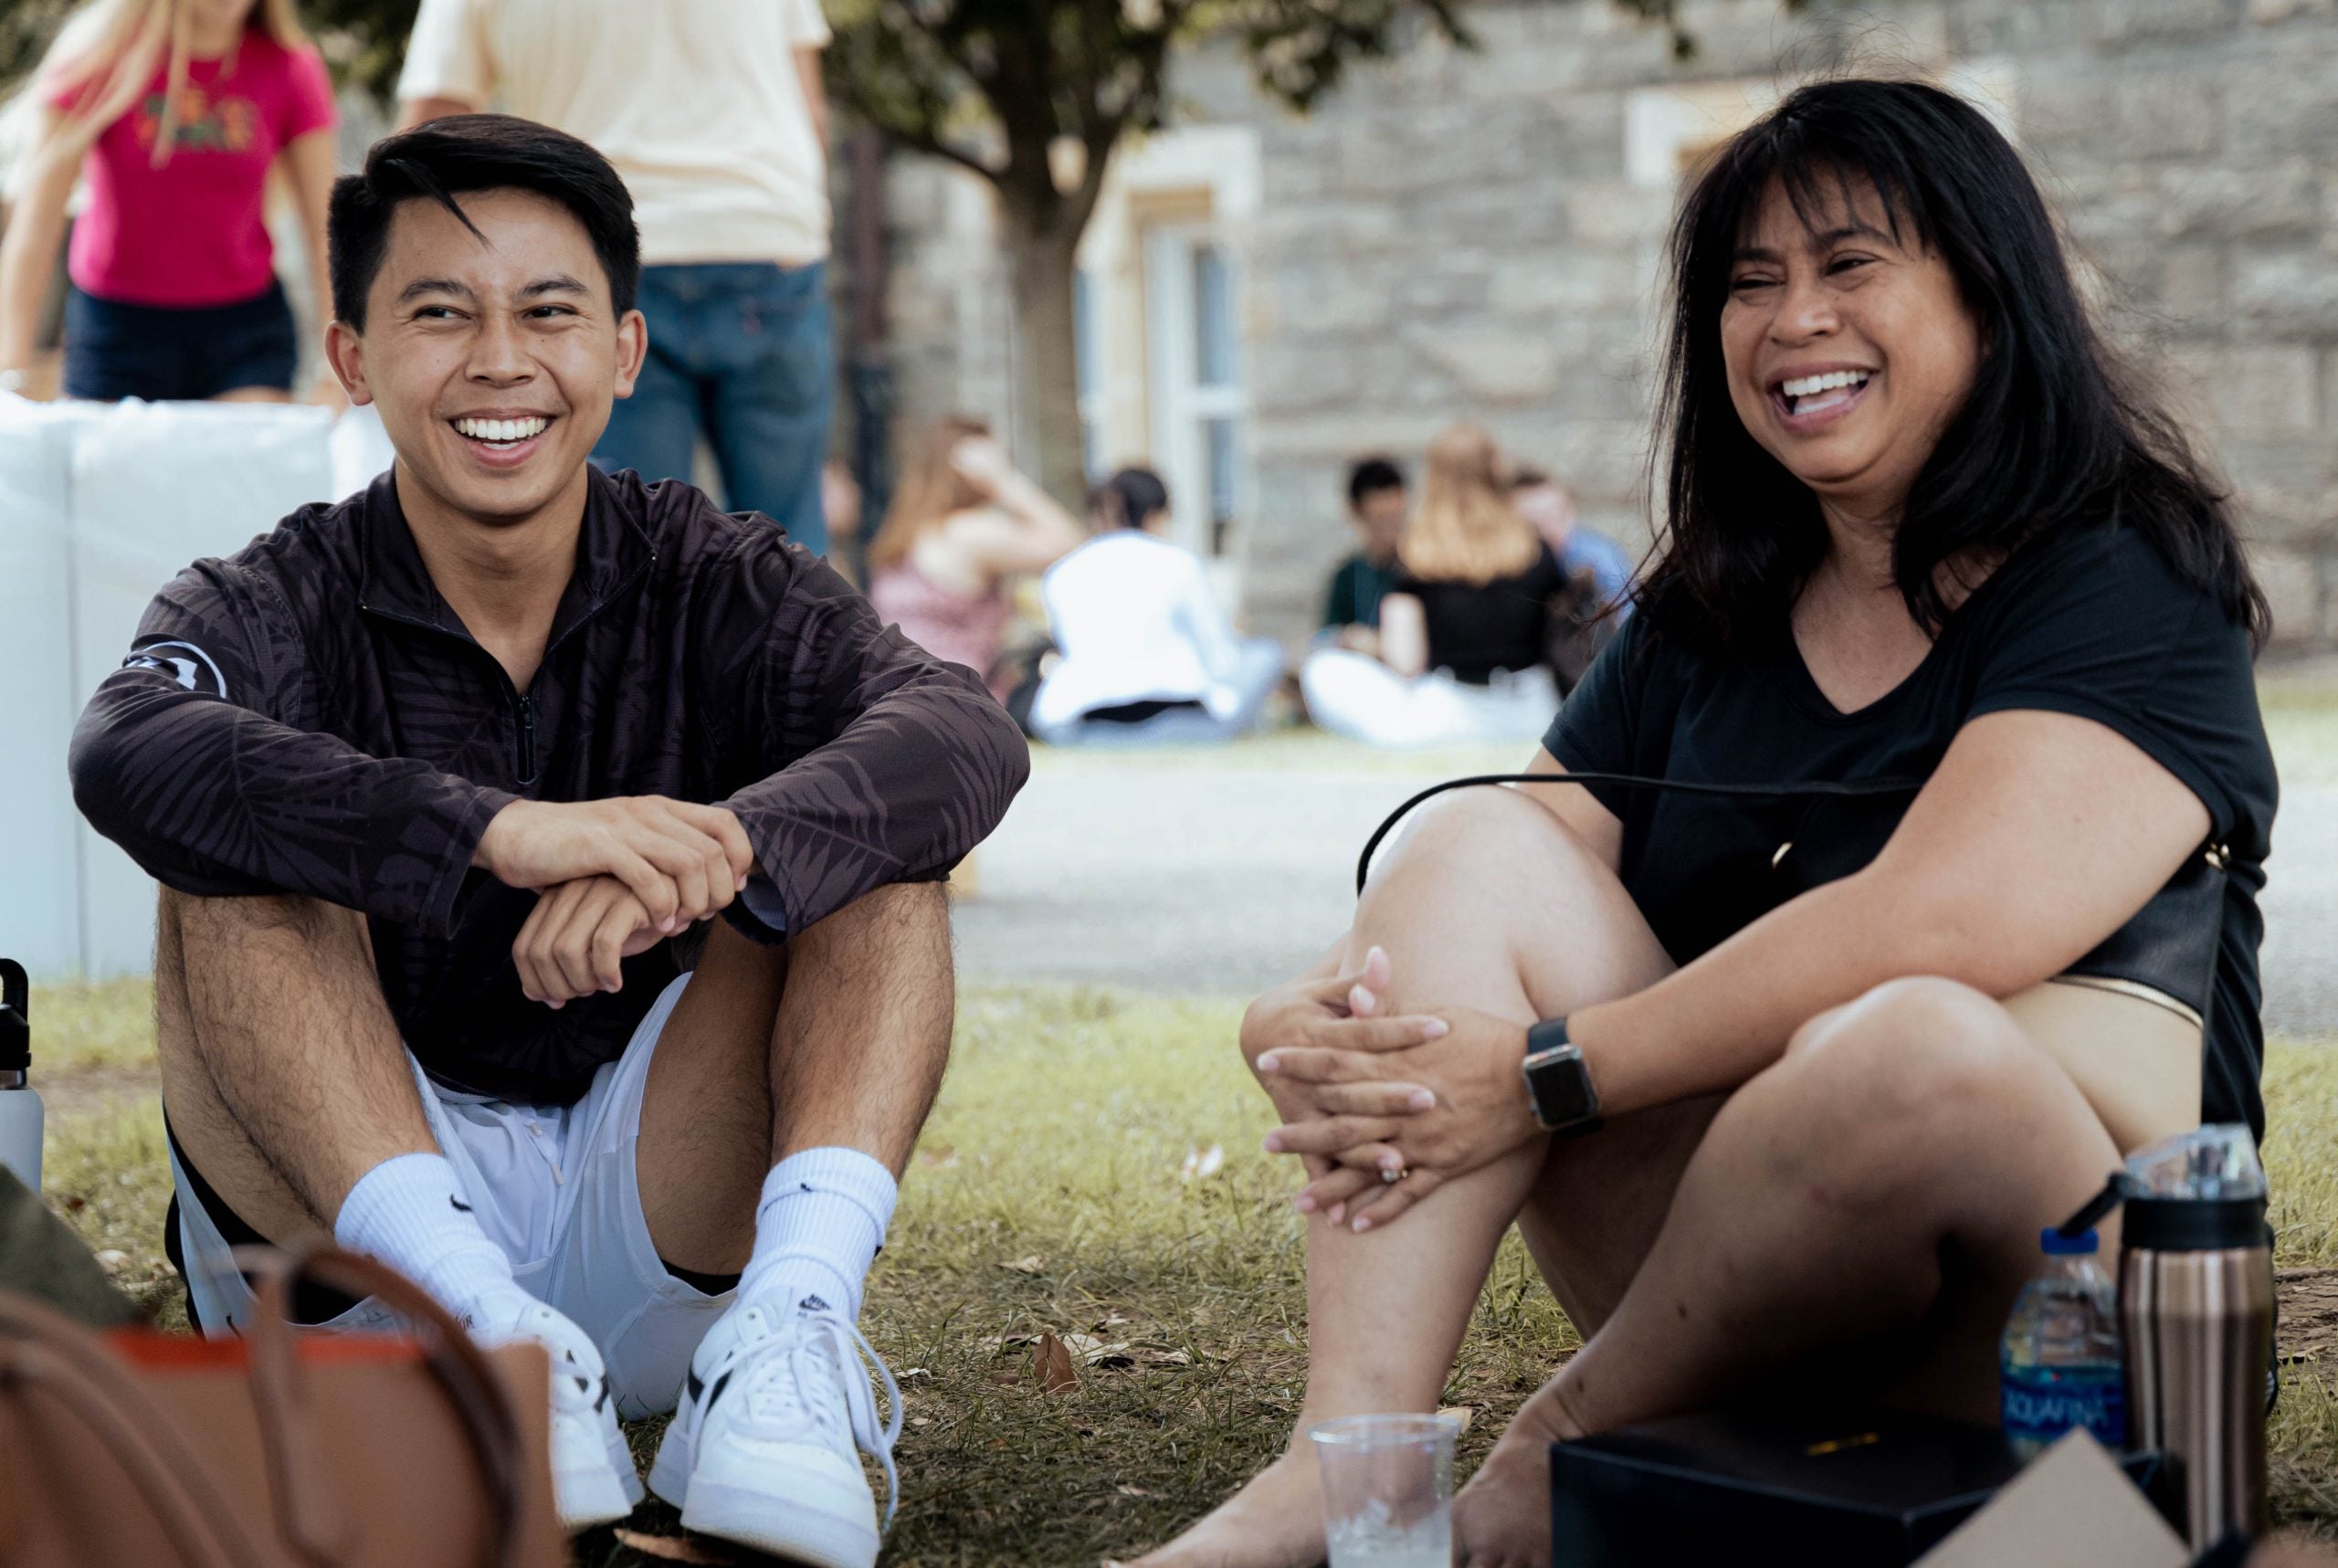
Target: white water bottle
<point x="20" y="1108"/>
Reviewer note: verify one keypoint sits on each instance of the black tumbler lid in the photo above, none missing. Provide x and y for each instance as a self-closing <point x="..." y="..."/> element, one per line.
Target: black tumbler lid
<point x="15" y="1028"/>
<point x="2192" y="1224"/>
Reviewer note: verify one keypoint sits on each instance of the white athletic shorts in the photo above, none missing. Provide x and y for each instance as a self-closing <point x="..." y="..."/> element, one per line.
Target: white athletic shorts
<point x="553" y="1186"/>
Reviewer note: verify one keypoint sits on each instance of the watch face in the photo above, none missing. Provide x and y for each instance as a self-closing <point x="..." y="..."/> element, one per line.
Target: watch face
<point x="1562" y="1090"/>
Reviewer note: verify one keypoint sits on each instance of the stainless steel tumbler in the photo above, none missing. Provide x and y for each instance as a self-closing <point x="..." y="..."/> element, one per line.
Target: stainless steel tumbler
<point x="2195" y="1304"/>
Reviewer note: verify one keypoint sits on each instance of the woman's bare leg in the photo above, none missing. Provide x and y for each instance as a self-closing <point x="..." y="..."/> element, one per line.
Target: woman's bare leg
<point x="1881" y="1188"/>
<point x="1489" y="903"/>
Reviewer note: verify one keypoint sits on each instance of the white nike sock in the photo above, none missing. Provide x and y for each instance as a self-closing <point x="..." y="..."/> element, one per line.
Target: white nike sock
<point x="410" y="1212"/>
<point x="821" y="1219"/>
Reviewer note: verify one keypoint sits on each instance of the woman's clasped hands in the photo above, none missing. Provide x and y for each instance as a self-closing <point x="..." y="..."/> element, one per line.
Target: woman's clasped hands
<point x="1383" y="1110"/>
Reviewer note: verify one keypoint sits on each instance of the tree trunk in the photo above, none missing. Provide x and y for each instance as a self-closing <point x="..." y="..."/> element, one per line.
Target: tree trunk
<point x="1042" y="264"/>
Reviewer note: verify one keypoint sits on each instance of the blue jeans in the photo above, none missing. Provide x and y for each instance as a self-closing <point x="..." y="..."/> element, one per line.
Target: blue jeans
<point x="745" y="351"/>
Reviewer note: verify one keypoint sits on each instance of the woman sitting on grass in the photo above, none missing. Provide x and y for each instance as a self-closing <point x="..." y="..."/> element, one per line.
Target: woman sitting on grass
<point x="1462" y="629"/>
<point x="1918" y="525"/>
<point x="963" y="522"/>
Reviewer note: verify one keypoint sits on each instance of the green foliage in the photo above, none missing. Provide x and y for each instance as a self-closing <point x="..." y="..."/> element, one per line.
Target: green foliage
<point x="364" y="40"/>
<point x="995" y="84"/>
<point x="26" y="28"/>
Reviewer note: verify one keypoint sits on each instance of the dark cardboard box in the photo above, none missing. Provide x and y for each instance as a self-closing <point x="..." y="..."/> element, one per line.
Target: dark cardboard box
<point x="1751" y="1489"/>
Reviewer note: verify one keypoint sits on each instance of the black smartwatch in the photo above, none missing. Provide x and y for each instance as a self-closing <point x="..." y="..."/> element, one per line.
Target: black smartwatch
<point x="1558" y="1085"/>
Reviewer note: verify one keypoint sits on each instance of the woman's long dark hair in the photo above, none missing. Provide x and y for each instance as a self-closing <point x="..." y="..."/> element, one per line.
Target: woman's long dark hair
<point x="2057" y="434"/>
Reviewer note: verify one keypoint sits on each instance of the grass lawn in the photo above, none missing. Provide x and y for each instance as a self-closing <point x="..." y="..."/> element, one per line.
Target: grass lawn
<point x="1068" y="1185"/>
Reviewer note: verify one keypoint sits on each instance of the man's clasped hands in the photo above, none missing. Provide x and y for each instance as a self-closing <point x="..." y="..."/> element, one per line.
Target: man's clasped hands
<point x="614" y="877"/>
<point x="1384" y="1110"/>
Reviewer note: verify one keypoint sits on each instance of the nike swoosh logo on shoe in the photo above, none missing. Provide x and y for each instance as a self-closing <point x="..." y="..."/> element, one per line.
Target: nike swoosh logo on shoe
<point x="697" y="1387"/>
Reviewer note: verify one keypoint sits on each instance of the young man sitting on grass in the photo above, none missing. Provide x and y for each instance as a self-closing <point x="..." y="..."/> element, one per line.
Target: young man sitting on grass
<point x="441" y="783"/>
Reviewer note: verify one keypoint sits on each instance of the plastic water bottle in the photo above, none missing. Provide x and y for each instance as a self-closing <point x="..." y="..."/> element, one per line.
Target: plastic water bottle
<point x="2059" y="1361"/>
<point x="20" y="1109"/>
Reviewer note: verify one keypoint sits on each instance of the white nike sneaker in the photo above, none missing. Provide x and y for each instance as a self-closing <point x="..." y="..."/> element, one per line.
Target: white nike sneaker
<point x="764" y="1450"/>
<point x="593" y="1477"/>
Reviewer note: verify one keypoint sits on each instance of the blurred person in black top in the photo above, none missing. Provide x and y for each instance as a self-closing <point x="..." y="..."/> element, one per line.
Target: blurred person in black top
<point x="447" y="786"/>
<point x="1378" y="505"/>
<point x="1460" y="651"/>
<point x="1803" y="1128"/>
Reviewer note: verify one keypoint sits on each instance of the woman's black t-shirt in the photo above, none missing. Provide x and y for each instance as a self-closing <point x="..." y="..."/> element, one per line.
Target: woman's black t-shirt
<point x="2095" y="624"/>
<point x="1477" y="628"/>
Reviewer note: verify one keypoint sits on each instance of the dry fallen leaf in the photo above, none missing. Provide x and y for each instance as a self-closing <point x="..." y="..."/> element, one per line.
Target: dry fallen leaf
<point x="1464" y="1414"/>
<point x="1052" y="1361"/>
<point x="1031" y="1265"/>
<point x="1127" y="1490"/>
<point x="1170" y="1358"/>
<point x="673" y="1549"/>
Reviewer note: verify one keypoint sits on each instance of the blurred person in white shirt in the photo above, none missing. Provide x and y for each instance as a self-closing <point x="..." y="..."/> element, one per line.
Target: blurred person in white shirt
<point x="1148" y="657"/>
<point x="713" y="113"/>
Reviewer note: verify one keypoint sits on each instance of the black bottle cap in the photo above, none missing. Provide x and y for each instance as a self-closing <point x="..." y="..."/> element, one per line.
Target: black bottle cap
<point x="16" y="1025"/>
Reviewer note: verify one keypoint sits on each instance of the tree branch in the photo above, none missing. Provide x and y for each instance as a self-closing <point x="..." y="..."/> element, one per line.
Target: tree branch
<point x="928" y="143"/>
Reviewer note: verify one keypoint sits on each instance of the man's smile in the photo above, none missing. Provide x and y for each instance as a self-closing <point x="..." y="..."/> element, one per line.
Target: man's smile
<point x="502" y="439"/>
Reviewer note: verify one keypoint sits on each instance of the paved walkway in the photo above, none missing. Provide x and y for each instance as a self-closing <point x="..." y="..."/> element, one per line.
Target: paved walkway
<point x="1221" y="875"/>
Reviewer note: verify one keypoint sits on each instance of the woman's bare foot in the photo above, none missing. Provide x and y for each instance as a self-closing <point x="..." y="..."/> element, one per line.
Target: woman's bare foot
<point x="1502" y="1518"/>
<point x="1276" y="1522"/>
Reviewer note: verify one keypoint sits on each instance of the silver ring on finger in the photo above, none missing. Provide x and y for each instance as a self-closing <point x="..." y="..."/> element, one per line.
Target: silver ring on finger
<point x="1391" y="1176"/>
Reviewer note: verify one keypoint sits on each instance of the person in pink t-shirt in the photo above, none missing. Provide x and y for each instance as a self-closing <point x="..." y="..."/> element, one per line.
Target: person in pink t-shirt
<point x="175" y="113"/>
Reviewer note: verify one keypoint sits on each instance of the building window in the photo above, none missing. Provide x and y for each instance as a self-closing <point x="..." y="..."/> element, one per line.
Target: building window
<point x="1088" y="361"/>
<point x="1200" y="406"/>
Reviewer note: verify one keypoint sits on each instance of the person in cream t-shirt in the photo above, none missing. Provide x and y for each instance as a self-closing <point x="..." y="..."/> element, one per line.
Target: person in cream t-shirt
<point x="712" y="111"/>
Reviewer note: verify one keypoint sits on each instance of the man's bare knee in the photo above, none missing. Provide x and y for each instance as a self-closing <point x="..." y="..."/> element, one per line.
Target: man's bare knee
<point x="230" y="924"/>
<point x="906" y="903"/>
<point x="901" y="923"/>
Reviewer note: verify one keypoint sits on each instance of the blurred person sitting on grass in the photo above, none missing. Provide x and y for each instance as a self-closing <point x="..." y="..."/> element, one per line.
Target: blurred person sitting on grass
<point x="1378" y="505"/>
<point x="1582" y="552"/>
<point x="447" y="786"/>
<point x="961" y="523"/>
<point x="178" y="114"/>
<point x="1146" y="654"/>
<point x="1462" y="645"/>
<point x="1920" y="524"/>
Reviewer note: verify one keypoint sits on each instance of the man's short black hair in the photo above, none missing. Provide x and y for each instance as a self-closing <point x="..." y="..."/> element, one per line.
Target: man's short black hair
<point x="1370" y="476"/>
<point x="441" y="161"/>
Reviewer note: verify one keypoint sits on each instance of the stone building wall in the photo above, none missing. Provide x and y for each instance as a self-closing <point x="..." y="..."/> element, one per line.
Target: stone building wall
<point x="1477" y="234"/>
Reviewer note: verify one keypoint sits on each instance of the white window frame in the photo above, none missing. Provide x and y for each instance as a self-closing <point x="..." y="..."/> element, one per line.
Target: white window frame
<point x="1089" y="304"/>
<point x="1181" y="405"/>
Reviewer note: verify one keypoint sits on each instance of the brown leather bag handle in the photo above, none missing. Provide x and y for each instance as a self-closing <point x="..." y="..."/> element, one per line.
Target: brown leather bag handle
<point x="307" y="1514"/>
<point x="43" y="1349"/>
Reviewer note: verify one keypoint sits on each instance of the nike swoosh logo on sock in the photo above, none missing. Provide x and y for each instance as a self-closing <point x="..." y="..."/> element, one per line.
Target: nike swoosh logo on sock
<point x="460" y="1206"/>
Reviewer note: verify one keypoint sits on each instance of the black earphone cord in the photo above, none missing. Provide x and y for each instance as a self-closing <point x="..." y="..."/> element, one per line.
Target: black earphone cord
<point x="1852" y="788"/>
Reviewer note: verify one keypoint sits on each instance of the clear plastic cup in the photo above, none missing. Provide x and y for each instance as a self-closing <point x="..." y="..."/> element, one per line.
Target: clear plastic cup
<point x="1387" y="1489"/>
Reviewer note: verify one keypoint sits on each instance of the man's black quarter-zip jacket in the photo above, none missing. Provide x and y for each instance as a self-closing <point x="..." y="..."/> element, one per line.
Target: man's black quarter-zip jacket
<point x="307" y="716"/>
